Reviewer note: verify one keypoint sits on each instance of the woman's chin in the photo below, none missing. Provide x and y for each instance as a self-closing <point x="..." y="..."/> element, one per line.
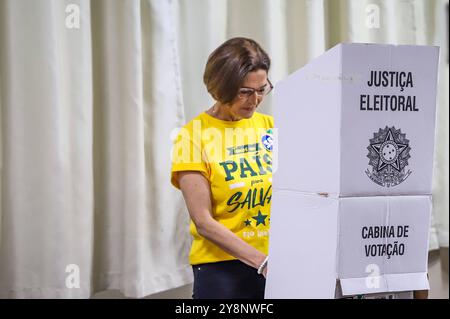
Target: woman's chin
<point x="246" y="114"/>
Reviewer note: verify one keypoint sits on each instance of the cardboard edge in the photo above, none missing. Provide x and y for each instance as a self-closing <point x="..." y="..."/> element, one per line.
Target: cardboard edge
<point x="385" y="284"/>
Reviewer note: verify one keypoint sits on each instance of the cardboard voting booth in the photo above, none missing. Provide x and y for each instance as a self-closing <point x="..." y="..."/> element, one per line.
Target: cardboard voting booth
<point x="357" y="123"/>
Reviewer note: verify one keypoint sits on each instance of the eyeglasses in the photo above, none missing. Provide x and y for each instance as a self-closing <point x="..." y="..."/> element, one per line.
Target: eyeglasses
<point x="245" y="93"/>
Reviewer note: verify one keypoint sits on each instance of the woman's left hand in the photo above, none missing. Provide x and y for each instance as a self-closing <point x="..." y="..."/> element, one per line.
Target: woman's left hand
<point x="264" y="272"/>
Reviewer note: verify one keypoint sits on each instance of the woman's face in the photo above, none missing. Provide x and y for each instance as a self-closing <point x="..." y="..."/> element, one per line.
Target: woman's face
<point x="245" y="104"/>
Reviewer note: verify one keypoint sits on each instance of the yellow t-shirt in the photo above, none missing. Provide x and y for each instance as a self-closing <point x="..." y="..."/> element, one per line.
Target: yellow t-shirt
<point x="236" y="158"/>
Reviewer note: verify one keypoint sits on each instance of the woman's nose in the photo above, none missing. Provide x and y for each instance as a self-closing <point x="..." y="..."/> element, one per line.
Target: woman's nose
<point x="254" y="98"/>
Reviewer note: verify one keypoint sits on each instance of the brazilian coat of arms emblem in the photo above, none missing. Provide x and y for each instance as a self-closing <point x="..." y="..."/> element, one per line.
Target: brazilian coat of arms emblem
<point x="388" y="157"/>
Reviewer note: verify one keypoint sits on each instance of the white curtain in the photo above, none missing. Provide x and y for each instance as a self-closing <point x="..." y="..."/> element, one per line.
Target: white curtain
<point x="88" y="110"/>
<point x="86" y="117"/>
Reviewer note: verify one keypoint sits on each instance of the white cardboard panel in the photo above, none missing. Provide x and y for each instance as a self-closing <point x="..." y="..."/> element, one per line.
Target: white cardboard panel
<point x="315" y="241"/>
<point x="359" y="126"/>
<point x="302" y="247"/>
<point x="404" y="250"/>
<point x="326" y="143"/>
<point x="305" y="136"/>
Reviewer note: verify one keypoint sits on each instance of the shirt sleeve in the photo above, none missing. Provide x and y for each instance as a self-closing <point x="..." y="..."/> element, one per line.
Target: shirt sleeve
<point x="187" y="155"/>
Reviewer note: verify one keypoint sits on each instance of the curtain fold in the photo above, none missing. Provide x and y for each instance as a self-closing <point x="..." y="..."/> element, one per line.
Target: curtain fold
<point x="141" y="230"/>
<point x="87" y="116"/>
<point x="47" y="197"/>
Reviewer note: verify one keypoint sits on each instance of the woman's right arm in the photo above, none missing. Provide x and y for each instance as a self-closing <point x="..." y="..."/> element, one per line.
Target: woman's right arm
<point x="197" y="195"/>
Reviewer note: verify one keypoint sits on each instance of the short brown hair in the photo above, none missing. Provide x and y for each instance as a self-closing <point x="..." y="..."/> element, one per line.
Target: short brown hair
<point x="228" y="65"/>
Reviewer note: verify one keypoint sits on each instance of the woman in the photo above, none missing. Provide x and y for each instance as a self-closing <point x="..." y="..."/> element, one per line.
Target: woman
<point x="222" y="164"/>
